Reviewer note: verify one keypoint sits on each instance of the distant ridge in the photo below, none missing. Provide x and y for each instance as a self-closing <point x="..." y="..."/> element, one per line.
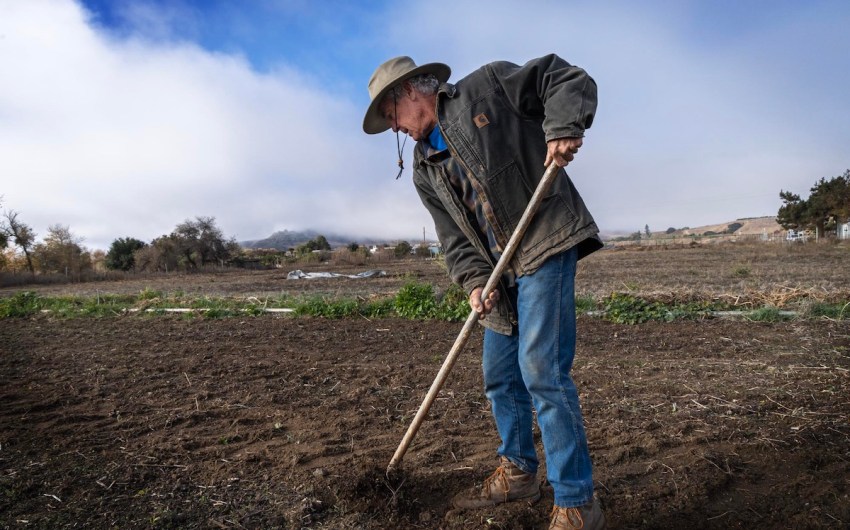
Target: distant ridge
<point x="741" y="226"/>
<point x="286" y="239"/>
<point x="748" y="226"/>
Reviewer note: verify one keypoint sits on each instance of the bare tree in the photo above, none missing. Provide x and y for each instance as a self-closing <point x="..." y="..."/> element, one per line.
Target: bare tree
<point x="192" y="244"/>
<point x="62" y="252"/>
<point x="4" y="233"/>
<point x="21" y="235"/>
<point x="201" y="242"/>
<point x="162" y="254"/>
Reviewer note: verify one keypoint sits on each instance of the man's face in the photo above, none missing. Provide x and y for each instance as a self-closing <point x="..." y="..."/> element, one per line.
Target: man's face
<point x="412" y="114"/>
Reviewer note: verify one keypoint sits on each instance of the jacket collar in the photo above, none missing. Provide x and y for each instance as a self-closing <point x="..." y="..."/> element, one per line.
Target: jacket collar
<point x="448" y="89"/>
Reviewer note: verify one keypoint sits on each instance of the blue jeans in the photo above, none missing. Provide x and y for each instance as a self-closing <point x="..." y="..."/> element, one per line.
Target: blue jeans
<point x="533" y="366"/>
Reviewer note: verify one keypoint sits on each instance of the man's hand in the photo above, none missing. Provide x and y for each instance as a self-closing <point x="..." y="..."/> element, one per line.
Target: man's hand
<point x="483" y="309"/>
<point x="562" y="150"/>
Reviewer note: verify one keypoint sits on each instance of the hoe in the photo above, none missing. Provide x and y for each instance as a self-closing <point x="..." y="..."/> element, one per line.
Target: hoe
<point x="510" y="248"/>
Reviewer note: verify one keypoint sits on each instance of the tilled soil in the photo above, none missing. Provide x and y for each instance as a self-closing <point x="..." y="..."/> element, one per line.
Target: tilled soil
<point x="278" y="422"/>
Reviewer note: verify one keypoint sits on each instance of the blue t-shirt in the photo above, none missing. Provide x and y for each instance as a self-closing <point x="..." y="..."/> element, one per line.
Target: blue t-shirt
<point x="436" y="139"/>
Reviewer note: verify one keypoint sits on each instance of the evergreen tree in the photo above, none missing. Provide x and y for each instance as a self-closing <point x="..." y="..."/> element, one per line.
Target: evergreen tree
<point x="828" y="203"/>
<point x="121" y="255"/>
<point x="402" y="249"/>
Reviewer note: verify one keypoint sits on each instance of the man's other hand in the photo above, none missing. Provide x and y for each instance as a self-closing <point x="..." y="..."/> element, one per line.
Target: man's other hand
<point x="483" y="308"/>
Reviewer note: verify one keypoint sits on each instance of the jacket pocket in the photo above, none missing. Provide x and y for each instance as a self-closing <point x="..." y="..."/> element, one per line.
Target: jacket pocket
<point x="554" y="223"/>
<point x="508" y="193"/>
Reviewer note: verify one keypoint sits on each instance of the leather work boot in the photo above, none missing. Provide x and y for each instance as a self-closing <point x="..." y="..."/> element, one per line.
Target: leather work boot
<point x="587" y="517"/>
<point x="507" y="483"/>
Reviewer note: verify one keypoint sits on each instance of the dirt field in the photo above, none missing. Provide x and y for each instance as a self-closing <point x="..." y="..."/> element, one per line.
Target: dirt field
<point x="279" y="422"/>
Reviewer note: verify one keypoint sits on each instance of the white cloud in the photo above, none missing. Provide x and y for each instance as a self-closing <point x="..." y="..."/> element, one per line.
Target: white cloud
<point x="129" y="137"/>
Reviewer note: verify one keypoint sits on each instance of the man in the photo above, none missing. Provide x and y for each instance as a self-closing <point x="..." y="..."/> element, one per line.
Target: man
<point x="482" y="147"/>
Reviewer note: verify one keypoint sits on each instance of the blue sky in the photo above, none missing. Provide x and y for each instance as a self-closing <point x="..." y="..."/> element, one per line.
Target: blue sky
<point x="124" y="118"/>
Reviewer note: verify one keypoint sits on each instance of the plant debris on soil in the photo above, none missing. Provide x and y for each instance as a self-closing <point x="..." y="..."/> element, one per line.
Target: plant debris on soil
<point x="276" y="422"/>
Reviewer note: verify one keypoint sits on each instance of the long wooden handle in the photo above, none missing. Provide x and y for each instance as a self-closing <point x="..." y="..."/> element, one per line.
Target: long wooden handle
<point x="495" y="276"/>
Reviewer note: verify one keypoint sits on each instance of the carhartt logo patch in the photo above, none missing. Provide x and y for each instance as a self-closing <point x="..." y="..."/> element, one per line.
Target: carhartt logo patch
<point x="481" y="120"/>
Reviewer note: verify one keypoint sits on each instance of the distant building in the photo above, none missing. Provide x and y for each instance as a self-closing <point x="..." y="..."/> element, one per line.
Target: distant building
<point x="795" y="235"/>
<point x="843" y="231"/>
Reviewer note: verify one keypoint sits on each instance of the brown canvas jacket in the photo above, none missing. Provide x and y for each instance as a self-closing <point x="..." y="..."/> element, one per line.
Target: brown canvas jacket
<point x="496" y="123"/>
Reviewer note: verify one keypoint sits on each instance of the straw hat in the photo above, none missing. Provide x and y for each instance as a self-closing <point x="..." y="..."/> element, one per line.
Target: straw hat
<point x="387" y="76"/>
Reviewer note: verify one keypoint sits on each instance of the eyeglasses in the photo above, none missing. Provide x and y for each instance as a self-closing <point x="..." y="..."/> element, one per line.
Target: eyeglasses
<point x="399" y="146"/>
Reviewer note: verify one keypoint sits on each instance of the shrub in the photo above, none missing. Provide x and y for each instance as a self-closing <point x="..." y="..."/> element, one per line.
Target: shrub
<point x="402" y="250"/>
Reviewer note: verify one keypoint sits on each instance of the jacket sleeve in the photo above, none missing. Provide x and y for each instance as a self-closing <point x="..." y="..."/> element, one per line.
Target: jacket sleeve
<point x="466" y="266"/>
<point x="564" y="95"/>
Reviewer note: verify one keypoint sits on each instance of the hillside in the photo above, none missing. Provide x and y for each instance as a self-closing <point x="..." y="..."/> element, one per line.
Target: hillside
<point x="749" y="226"/>
<point x="286" y="239"/>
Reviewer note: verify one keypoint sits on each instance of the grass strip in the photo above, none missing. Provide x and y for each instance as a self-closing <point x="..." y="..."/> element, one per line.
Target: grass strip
<point x="414" y="301"/>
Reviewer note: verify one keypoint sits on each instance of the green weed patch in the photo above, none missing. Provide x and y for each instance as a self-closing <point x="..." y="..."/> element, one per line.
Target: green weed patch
<point x="625" y="308"/>
<point x="21" y="305"/>
<point x="767" y="314"/>
<point x="418" y="301"/>
<point x="585" y="304"/>
<point x="823" y="310"/>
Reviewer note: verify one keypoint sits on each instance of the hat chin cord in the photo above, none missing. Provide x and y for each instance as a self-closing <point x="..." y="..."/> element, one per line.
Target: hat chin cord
<point x="399" y="145"/>
<point x="400" y="152"/>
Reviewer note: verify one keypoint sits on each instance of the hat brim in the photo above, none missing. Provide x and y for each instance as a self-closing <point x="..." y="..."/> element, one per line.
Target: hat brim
<point x="374" y="122"/>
